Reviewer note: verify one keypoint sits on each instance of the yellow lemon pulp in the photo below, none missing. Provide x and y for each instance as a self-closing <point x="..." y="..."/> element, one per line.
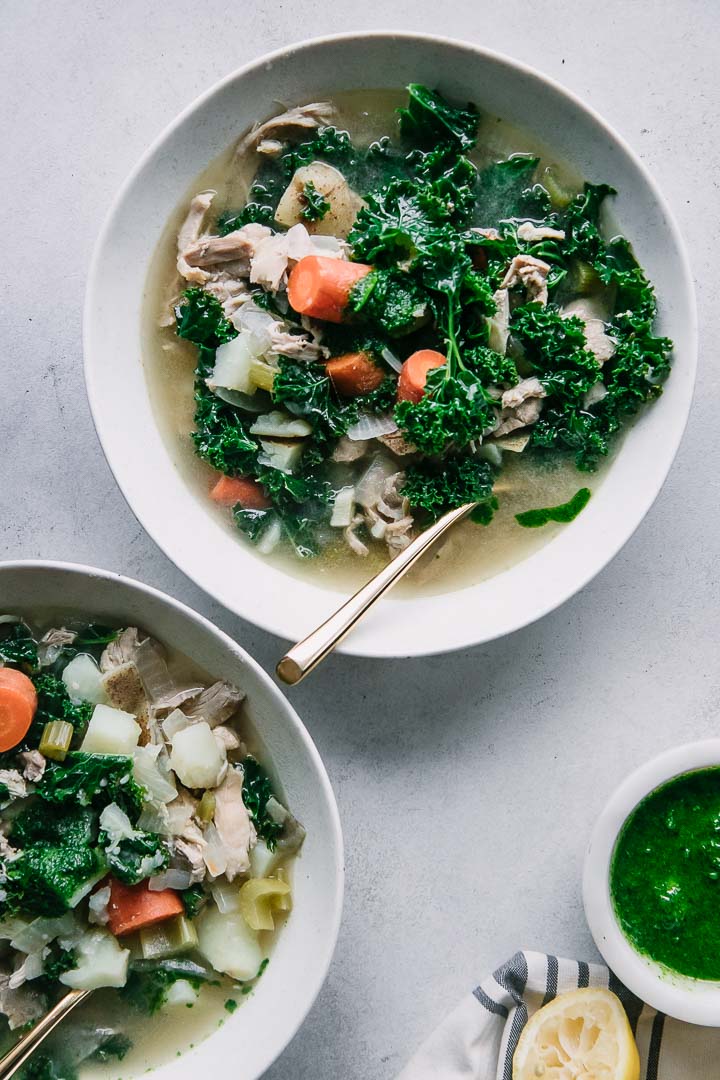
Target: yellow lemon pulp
<point x="581" y="1035"/>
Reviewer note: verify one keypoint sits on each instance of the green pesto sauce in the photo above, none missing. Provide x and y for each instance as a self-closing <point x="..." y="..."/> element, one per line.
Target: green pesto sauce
<point x="665" y="875"/>
<point x="533" y="519"/>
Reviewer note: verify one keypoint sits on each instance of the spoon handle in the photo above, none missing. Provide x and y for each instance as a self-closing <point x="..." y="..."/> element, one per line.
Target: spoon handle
<point x="15" y="1058"/>
<point x="308" y="653"/>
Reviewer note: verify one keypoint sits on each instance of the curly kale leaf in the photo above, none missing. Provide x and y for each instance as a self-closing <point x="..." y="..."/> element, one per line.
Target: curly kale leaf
<point x="436" y="487"/>
<point x="306" y="390"/>
<point x="492" y="368"/>
<point x="46" y="878"/>
<point x="255" y="211"/>
<point x="583" y="234"/>
<point x="92" y="779"/>
<point x="390" y="300"/>
<point x="455" y="409"/>
<point x="221" y="434"/>
<point x="429" y="119"/>
<point x="149" y="981"/>
<point x="55" y="824"/>
<point x="54" y="704"/>
<point x="136" y="857"/>
<point x="504" y="190"/>
<point x="194" y="900"/>
<point x="315" y="205"/>
<point x="557" y="350"/>
<point x="257" y="789"/>
<point x="58" y="961"/>
<point x="200" y="319"/>
<point x="18" y="647"/>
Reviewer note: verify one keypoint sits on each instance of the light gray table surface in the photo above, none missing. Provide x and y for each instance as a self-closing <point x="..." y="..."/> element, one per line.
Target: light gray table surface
<point x="467" y="784"/>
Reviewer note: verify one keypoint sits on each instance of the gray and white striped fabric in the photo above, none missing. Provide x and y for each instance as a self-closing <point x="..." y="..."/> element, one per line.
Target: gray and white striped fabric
<point x="477" y="1041"/>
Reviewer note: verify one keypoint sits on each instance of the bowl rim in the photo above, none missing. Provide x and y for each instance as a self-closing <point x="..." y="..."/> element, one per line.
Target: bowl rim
<point x="362" y="644"/>
<point x="691" y="1000"/>
<point x="290" y="717"/>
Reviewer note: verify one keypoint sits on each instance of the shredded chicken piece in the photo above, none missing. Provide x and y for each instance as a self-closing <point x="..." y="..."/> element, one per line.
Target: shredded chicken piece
<point x="122" y="650"/>
<point x="192" y="848"/>
<point x="531" y="233"/>
<point x="296" y="346"/>
<point x="269" y="147"/>
<point x="7" y="851"/>
<point x="227" y="738"/>
<point x="489" y="234"/>
<point x="499" y="323"/>
<point x="526" y="388"/>
<point x="348" y="450"/>
<point x="600" y="344"/>
<point x="231" y="292"/>
<point x="52" y="643"/>
<point x="596" y="393"/>
<point x="190" y="231"/>
<point x="303" y="116"/>
<point x="352" y="540"/>
<point x="33" y="763"/>
<point x="175" y="699"/>
<point x="14" y="782"/>
<point x="397" y="443"/>
<point x="531" y="273"/>
<point x="232" y="821"/>
<point x="215" y="704"/>
<point x="238" y="247"/>
<point x="390" y="519"/>
<point x="521" y="416"/>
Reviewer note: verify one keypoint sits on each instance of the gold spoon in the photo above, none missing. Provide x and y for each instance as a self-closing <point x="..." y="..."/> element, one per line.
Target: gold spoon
<point x="28" y="1044"/>
<point x="308" y="653"/>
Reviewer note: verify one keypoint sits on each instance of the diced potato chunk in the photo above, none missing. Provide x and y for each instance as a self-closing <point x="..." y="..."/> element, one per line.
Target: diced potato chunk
<point x="334" y="188"/>
<point x="111" y="731"/>
<point x="228" y="943"/>
<point x="262" y="860"/>
<point x="197" y="757"/>
<point x="101" y="962"/>
<point x="281" y="454"/>
<point x="280" y="425"/>
<point x="232" y="364"/>
<point x="83" y="680"/>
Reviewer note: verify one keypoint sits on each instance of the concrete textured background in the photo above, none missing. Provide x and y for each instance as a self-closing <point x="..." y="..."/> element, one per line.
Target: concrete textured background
<point x="467" y="784"/>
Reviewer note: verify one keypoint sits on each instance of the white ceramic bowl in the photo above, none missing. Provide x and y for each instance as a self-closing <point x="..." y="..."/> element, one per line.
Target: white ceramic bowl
<point x="179" y="520"/>
<point x="691" y="1000"/>
<point x="254" y="1036"/>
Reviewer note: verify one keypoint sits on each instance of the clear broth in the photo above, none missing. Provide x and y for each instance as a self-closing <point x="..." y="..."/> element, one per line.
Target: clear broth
<point x="472" y="553"/>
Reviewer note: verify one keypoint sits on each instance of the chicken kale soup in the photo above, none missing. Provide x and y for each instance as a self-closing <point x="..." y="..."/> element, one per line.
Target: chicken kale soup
<point x="143" y="852"/>
<point x="393" y="320"/>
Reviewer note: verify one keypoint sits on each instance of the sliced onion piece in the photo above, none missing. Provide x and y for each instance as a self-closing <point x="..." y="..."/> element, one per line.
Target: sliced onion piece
<point x="370" y="426"/>
<point x="256" y="403"/>
<point x="391" y="359"/>
<point x="226" y="896"/>
<point x="270" y="538"/>
<point x="372" y="483"/>
<point x="153" y="671"/>
<point x="170" y="879"/>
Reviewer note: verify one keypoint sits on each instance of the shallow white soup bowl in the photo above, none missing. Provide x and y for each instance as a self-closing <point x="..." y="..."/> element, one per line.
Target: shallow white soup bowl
<point x="181" y="522"/>
<point x="253" y="1037"/>
<point x="692" y="1000"/>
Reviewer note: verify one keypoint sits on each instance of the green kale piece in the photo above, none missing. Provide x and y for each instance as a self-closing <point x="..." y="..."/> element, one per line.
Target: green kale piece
<point x="115" y="1046"/>
<point x="390" y="300"/>
<point x="565" y="512"/>
<point x="502" y="191"/>
<point x="436" y="487"/>
<point x="257" y="789"/>
<point x="54" y="704"/>
<point x="401" y="220"/>
<point x="45" y="878"/>
<point x="231" y="1005"/>
<point x="307" y="391"/>
<point x="455" y="409"/>
<point x="255" y="211"/>
<point x="44" y="1067"/>
<point x="492" y="368"/>
<point x="137" y="857"/>
<point x="429" y="119"/>
<point x="583" y="235"/>
<point x="18" y="647"/>
<point x="329" y="144"/>
<point x="149" y="981"/>
<point x="92" y="779"/>
<point x="315" y="205"/>
<point x="55" y="824"/>
<point x="221" y="434"/>
<point x="557" y="350"/>
<point x="200" y="319"/>
<point x="58" y="961"/>
<point x="194" y="900"/>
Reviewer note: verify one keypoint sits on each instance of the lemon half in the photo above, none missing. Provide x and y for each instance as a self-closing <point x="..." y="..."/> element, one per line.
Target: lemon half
<point x="581" y="1035"/>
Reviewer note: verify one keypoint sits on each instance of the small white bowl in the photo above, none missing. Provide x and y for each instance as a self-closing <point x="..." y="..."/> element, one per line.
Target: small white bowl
<point x="180" y="520"/>
<point x="254" y="1036"/>
<point x="693" y="1000"/>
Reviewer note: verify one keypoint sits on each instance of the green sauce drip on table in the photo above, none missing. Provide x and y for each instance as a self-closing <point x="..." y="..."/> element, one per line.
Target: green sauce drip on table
<point x="665" y="875"/>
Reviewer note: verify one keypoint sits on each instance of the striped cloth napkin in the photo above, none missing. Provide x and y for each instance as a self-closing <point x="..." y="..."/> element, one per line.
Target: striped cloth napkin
<point x="477" y="1041"/>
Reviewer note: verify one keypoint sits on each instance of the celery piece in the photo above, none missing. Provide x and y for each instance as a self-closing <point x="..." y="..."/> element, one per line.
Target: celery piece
<point x="206" y="807"/>
<point x="584" y="278"/>
<point x="56" y="738"/>
<point x="559" y="194"/>
<point x="262" y="375"/>
<point x="283" y="903"/>
<point x="176" y="935"/>
<point x="258" y="898"/>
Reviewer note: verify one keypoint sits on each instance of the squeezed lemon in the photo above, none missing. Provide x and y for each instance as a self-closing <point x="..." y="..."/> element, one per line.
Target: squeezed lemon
<point x="581" y="1035"/>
